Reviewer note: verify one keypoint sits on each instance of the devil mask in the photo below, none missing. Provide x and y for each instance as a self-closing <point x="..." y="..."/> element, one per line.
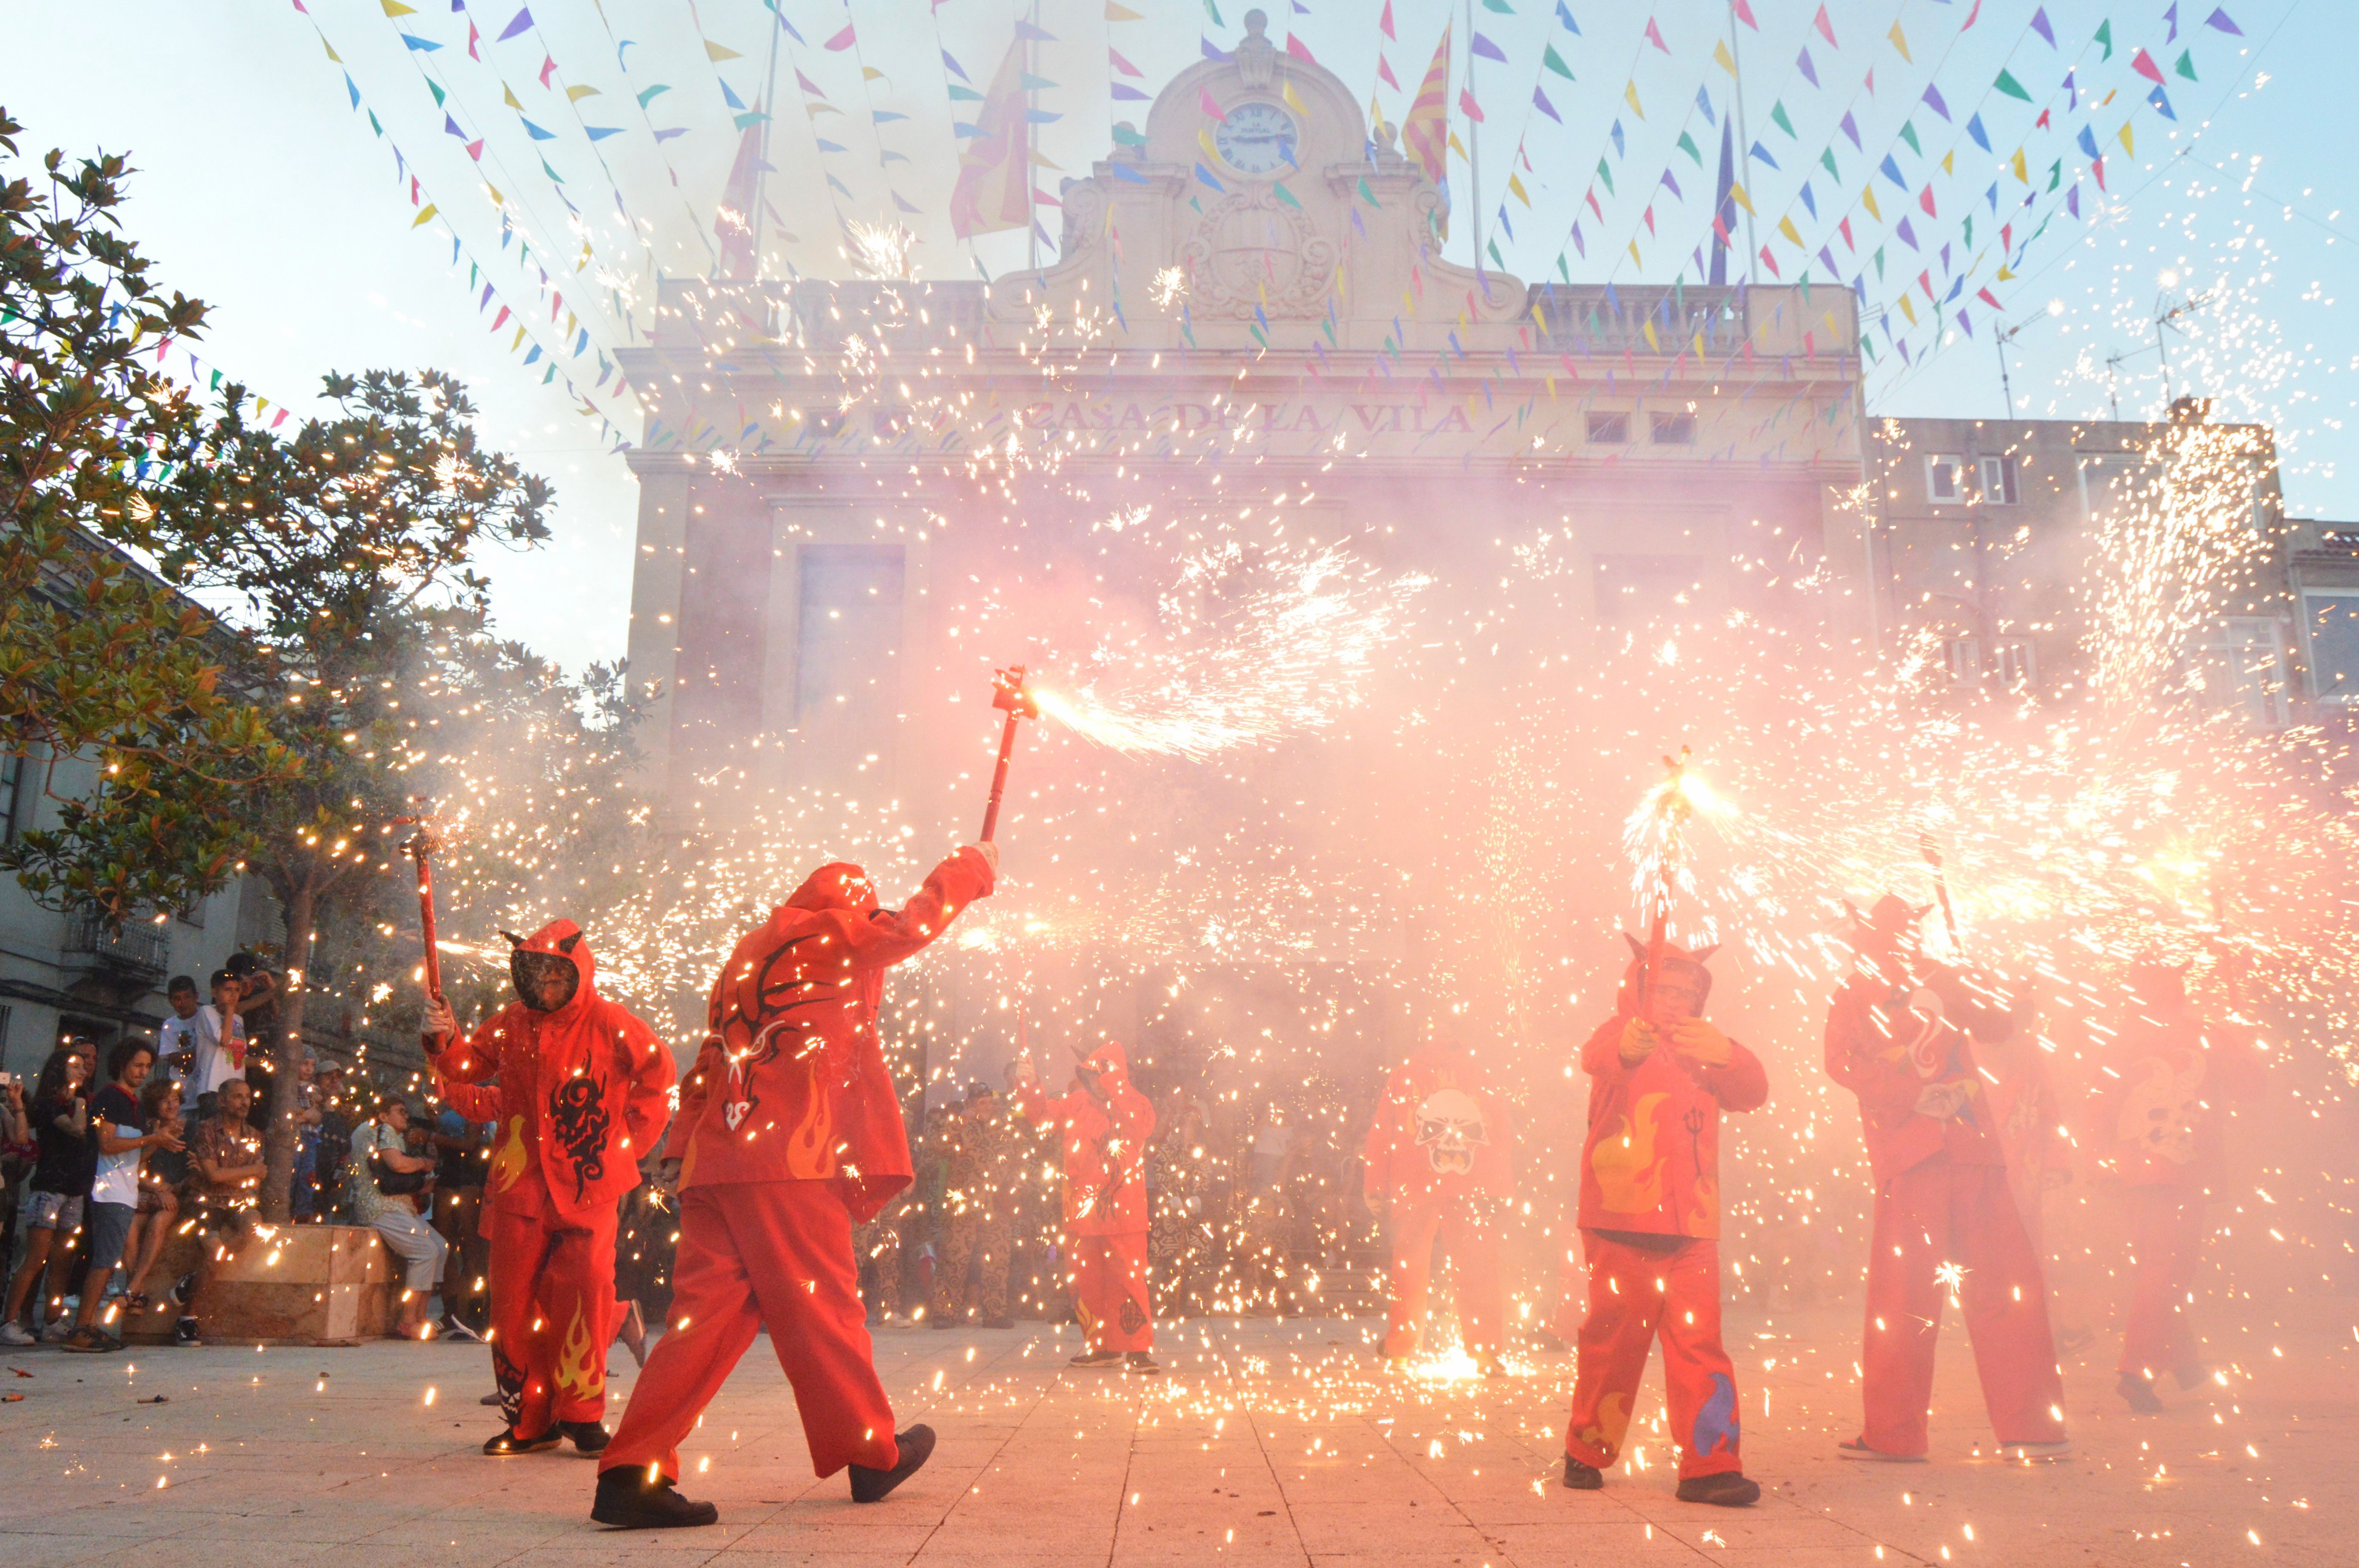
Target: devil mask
<point x="1678" y="966"/>
<point x="545" y="981"/>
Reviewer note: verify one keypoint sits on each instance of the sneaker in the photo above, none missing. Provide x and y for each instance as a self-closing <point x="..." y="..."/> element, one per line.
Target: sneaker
<point x="17" y="1333"/>
<point x="1857" y="1448"/>
<point x="941" y="1322"/>
<point x="508" y="1445"/>
<point x="2138" y="1391"/>
<point x="916" y="1446"/>
<point x="89" y="1339"/>
<point x="1140" y="1364"/>
<point x="491" y="1398"/>
<point x="2029" y="1453"/>
<point x="1726" y="1490"/>
<point x="589" y="1437"/>
<point x="184" y="1290"/>
<point x="57" y="1332"/>
<point x="627" y="1499"/>
<point x="184" y="1334"/>
<point x="1097" y="1360"/>
<point x="1581" y="1476"/>
<point x="453" y="1329"/>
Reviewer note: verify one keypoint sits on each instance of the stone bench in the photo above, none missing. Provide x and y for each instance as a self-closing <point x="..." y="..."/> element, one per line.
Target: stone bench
<point x="287" y="1285"/>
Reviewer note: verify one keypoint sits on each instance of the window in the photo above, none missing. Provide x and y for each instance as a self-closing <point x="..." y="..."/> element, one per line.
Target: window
<point x="1965" y="656"/>
<point x="2331" y="619"/>
<point x="2332" y="538"/>
<point x="2016" y="662"/>
<point x="2242" y="660"/>
<point x="1609" y="428"/>
<point x="12" y="781"/>
<point x="1998" y="481"/>
<point x="1945" y="478"/>
<point x="1674" y="429"/>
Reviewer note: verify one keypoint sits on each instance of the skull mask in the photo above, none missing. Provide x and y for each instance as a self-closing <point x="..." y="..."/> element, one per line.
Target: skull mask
<point x="1449" y="1128"/>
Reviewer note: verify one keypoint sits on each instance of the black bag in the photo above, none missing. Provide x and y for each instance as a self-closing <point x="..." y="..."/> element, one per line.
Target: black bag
<point x="394" y="1183"/>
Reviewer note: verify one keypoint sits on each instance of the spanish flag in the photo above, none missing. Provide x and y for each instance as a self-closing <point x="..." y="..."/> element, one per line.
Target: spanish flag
<point x="995" y="178"/>
<point x="1425" y="130"/>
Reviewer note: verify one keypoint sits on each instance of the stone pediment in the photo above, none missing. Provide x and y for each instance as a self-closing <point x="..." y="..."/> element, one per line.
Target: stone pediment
<point x="1255" y="194"/>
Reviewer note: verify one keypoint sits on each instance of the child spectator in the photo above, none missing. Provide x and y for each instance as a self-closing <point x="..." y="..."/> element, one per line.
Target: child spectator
<point x="61" y="1177"/>
<point x="161" y="1175"/>
<point x="220" y="1053"/>
<point x="121" y="1134"/>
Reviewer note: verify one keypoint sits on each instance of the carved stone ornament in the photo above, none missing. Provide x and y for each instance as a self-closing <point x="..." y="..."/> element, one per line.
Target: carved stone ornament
<point x="1256" y="57"/>
<point x="1251" y="249"/>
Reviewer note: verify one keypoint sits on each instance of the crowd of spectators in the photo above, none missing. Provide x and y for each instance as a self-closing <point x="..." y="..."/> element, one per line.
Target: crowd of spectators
<point x="103" y="1164"/>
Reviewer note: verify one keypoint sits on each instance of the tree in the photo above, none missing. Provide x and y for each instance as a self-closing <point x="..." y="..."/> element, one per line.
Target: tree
<point x="347" y="551"/>
<point x="97" y="658"/>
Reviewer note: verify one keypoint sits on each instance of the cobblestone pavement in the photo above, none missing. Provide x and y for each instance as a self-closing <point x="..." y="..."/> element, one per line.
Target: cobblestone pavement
<point x="1266" y="1442"/>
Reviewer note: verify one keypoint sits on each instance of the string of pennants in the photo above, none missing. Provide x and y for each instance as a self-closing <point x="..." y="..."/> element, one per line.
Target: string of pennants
<point x="1898" y="223"/>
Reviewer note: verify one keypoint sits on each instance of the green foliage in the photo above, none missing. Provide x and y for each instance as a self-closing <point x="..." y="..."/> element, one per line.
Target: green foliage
<point x="98" y="661"/>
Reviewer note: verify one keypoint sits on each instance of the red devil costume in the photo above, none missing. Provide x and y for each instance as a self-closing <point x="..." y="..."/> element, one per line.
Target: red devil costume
<point x="1650" y="1224"/>
<point x="1900" y="1036"/>
<point x="578" y="1093"/>
<point x="2168" y="1086"/>
<point x="1106" y="1125"/>
<point x="788" y="1135"/>
<point x="1439" y="1158"/>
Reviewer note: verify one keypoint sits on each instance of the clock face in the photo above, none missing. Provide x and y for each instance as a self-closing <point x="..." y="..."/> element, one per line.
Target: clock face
<point x="1256" y="138"/>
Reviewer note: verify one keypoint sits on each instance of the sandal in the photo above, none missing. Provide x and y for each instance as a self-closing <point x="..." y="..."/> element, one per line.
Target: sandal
<point x="134" y="1303"/>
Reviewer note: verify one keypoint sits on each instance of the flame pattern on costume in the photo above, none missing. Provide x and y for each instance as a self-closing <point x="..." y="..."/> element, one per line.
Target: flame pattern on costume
<point x="581" y="1361"/>
<point x="508" y="1165"/>
<point x="1629" y="1172"/>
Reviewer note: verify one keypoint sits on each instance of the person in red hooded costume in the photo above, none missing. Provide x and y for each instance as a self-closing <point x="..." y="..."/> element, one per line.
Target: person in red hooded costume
<point x="1439" y="1165"/>
<point x="1106" y="1125"/>
<point x="1658" y="1078"/>
<point x="789" y="1134"/>
<point x="579" y="1089"/>
<point x="1901" y="1035"/>
<point x="2169" y="1083"/>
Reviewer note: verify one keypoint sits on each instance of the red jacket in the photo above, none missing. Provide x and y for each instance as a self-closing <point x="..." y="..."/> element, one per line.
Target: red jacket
<point x="583" y="1091"/>
<point x="2162" y="1095"/>
<point x="1651" y="1162"/>
<point x="1106" y="1146"/>
<point x="1887" y="1043"/>
<point x="791" y="1084"/>
<point x="1440" y="1133"/>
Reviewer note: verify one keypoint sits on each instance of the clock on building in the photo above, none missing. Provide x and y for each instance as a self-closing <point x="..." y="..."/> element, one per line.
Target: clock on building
<point x="1256" y="138"/>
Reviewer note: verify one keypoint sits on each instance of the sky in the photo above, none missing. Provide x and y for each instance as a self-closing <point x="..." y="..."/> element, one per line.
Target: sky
<point x="266" y="192"/>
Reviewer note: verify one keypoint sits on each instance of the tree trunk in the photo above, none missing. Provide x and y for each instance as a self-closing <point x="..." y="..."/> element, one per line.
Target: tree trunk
<point x="280" y="1055"/>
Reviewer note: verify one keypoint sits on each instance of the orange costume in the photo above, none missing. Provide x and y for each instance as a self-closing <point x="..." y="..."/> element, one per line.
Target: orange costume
<point x="2169" y="1083"/>
<point x="790" y="1134"/>
<point x="1106" y="1141"/>
<point x="1900" y="1036"/>
<point x="579" y="1095"/>
<point x="1440" y="1156"/>
<point x="1650" y="1225"/>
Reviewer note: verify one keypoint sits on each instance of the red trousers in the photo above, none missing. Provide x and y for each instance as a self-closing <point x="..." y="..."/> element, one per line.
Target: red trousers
<point x="1634" y="1295"/>
<point x="552" y="1314"/>
<point x="1935" y="1216"/>
<point x="755" y="1255"/>
<point x="2166" y="1226"/>
<point x="1108" y="1276"/>
<point x="1471" y="1239"/>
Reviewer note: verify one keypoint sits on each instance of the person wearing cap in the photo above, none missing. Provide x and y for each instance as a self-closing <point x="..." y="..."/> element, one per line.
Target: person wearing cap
<point x="1900" y="1036"/>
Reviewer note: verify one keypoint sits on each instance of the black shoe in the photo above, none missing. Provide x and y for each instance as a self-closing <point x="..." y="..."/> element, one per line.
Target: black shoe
<point x="1002" y="1321"/>
<point x="629" y="1500"/>
<point x="184" y="1290"/>
<point x="590" y="1438"/>
<point x="185" y="1335"/>
<point x="508" y="1445"/>
<point x="1140" y="1364"/>
<point x="1582" y="1478"/>
<point x="2139" y="1392"/>
<point x="933" y="1321"/>
<point x="1097" y="1359"/>
<point x="872" y="1486"/>
<point x="1726" y="1490"/>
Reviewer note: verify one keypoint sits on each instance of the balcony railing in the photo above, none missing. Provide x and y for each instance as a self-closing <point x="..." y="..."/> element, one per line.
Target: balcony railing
<point x="141" y="948"/>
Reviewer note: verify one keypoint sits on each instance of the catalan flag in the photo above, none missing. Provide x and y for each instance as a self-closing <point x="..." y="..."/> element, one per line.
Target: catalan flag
<point x="994" y="177"/>
<point x="1425" y="131"/>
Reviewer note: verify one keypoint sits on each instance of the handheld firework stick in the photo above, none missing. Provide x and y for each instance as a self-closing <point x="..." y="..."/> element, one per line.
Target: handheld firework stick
<point x="1940" y="888"/>
<point x="422" y="846"/>
<point x="1671" y="810"/>
<point x="1008" y="694"/>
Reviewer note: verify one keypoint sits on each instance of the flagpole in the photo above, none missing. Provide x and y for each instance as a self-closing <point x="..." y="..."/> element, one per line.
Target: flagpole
<point x="761" y="175"/>
<point x="1474" y="146"/>
<point x="1031" y="102"/>
<point x="1744" y="153"/>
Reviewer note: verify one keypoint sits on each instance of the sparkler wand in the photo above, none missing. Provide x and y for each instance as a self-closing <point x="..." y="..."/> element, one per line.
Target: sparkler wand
<point x="1669" y="809"/>
<point x="1932" y="854"/>
<point x="422" y="846"/>
<point x="1008" y="694"/>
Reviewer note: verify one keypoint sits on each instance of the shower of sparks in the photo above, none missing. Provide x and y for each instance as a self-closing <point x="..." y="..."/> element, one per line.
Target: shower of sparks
<point x="886" y="252"/>
<point x="1257" y="649"/>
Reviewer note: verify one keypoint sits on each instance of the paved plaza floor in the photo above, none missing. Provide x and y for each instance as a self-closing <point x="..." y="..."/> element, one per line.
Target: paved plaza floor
<point x="1268" y="1442"/>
